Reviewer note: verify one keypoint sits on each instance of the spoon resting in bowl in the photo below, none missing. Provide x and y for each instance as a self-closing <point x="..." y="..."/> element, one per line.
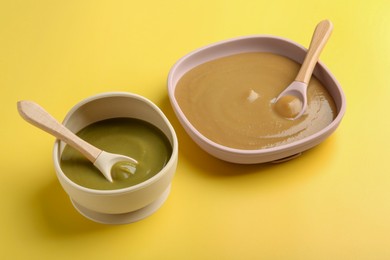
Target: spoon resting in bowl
<point x="104" y="161"/>
<point x="292" y="102"/>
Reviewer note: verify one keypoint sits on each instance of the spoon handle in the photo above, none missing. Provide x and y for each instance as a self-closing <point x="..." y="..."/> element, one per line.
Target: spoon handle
<point x="318" y="41"/>
<point x="37" y="116"/>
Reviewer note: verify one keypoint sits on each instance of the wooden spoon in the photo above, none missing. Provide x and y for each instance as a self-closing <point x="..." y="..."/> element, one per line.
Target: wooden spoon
<point x="292" y="102"/>
<point x="37" y="116"/>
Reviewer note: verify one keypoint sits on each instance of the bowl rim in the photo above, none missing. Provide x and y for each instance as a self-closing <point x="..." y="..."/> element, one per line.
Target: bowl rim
<point x="266" y="151"/>
<point x="169" y="165"/>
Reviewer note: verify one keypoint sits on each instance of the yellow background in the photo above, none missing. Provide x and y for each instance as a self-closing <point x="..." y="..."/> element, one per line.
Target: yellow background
<point x="333" y="202"/>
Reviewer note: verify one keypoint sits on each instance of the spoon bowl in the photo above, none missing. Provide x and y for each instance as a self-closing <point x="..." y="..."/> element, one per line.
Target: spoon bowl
<point x="39" y="117"/>
<point x="298" y="88"/>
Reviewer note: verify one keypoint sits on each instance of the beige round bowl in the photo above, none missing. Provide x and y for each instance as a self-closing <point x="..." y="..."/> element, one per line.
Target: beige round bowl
<point x="128" y="204"/>
<point x="259" y="43"/>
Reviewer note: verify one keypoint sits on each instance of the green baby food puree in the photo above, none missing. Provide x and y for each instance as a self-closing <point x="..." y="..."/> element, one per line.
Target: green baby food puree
<point x="128" y="136"/>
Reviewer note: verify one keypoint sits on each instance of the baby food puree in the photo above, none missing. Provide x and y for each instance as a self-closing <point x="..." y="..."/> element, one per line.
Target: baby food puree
<point x="132" y="137"/>
<point x="230" y="101"/>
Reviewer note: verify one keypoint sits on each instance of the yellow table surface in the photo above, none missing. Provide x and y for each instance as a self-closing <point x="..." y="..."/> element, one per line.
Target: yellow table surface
<point x="333" y="202"/>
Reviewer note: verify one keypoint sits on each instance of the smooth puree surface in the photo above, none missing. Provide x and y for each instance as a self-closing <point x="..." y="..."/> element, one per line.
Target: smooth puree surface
<point x="132" y="137"/>
<point x="230" y="101"/>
